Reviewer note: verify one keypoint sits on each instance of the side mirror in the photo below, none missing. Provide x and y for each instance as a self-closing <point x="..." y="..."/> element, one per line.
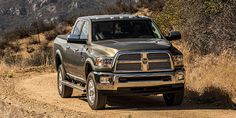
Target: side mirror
<point x="174" y="35"/>
<point x="76" y="39"/>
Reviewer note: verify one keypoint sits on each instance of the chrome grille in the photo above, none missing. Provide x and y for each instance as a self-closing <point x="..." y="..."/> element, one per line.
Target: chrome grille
<point x="143" y="61"/>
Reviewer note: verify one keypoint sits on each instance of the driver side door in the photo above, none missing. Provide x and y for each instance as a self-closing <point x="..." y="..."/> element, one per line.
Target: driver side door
<point x="72" y="49"/>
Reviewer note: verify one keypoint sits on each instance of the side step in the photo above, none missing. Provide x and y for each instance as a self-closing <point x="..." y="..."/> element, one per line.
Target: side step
<point x="72" y="85"/>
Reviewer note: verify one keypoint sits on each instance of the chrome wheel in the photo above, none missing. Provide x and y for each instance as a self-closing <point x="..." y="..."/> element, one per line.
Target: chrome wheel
<point x="91" y="91"/>
<point x="60" y="81"/>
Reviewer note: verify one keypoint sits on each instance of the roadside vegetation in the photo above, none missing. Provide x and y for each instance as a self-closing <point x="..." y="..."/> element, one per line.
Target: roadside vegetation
<point x="208" y="43"/>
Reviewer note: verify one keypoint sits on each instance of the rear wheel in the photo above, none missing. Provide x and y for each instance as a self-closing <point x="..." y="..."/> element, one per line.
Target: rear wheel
<point x="173" y="99"/>
<point x="95" y="99"/>
<point x="63" y="90"/>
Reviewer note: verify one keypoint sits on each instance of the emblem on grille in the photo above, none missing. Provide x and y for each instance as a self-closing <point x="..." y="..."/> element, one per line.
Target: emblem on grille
<point x="144" y="60"/>
<point x="144" y="64"/>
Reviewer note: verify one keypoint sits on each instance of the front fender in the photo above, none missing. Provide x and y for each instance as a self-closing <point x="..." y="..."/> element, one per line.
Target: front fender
<point x="89" y="61"/>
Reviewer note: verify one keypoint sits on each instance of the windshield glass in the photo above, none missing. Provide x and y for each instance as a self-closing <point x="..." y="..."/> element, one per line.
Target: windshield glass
<point x="121" y="29"/>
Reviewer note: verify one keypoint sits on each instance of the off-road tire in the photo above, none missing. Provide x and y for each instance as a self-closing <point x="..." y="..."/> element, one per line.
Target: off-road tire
<point x="100" y="100"/>
<point x="174" y="99"/>
<point x="65" y="91"/>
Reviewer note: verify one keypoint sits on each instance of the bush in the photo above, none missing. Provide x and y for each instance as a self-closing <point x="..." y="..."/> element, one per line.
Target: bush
<point x="41" y="26"/>
<point x="51" y="35"/>
<point x="206" y="25"/>
<point x="14" y="46"/>
<point x="3" y="43"/>
<point x="38" y="58"/>
<point x="154" y="5"/>
<point x="211" y="95"/>
<point x="33" y="40"/>
<point x="60" y="29"/>
<point x="12" y="59"/>
<point x="120" y="7"/>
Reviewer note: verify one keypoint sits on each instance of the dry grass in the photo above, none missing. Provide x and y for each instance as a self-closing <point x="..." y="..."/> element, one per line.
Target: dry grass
<point x="7" y="71"/>
<point x="211" y="71"/>
<point x="29" y="51"/>
<point x="210" y="78"/>
<point x="35" y="50"/>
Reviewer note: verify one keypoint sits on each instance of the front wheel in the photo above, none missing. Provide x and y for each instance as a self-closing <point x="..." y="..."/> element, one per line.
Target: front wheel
<point x="95" y="99"/>
<point x="173" y="99"/>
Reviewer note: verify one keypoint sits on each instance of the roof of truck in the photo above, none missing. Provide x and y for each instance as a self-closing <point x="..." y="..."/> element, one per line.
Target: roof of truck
<point x="114" y="17"/>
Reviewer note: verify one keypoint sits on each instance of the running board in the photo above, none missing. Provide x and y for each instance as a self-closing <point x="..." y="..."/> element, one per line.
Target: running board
<point x="76" y="78"/>
<point x="72" y="85"/>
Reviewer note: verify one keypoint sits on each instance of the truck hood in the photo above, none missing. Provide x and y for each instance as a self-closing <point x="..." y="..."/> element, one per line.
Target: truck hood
<point x="111" y="47"/>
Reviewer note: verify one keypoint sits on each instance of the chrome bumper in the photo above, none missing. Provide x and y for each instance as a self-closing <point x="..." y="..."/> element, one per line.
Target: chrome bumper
<point x="177" y="77"/>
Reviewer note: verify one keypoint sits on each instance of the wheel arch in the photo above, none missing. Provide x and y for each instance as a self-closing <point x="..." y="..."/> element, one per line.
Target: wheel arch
<point x="89" y="67"/>
<point x="58" y="59"/>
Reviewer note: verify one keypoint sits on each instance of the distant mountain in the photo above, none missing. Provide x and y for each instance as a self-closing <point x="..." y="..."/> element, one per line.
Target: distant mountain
<point x="14" y="13"/>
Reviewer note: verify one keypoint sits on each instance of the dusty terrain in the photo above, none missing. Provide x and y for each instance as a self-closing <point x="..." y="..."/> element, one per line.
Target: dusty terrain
<point x="34" y="94"/>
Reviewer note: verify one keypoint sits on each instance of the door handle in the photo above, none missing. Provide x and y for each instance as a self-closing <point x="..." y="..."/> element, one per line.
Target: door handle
<point x="67" y="47"/>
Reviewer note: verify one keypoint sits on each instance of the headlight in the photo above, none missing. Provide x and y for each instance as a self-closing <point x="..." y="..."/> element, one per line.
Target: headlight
<point x="104" y="62"/>
<point x="178" y="60"/>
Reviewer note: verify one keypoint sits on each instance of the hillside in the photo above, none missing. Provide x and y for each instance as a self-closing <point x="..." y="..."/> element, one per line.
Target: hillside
<point x="15" y="13"/>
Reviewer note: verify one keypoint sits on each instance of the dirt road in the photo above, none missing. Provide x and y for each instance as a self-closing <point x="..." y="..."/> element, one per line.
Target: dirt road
<point x="36" y="96"/>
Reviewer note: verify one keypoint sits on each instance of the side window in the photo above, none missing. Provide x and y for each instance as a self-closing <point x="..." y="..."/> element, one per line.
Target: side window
<point x="84" y="32"/>
<point x="77" y="28"/>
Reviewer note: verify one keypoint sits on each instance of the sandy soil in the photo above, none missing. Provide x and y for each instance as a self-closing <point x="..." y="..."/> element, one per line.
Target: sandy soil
<point x="35" y="95"/>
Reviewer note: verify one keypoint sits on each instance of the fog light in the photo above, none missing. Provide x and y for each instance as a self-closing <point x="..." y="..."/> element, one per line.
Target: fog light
<point x="180" y="75"/>
<point x="105" y="80"/>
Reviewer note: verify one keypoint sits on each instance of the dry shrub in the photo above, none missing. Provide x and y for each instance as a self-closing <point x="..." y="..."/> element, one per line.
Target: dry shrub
<point x="51" y="35"/>
<point x="39" y="55"/>
<point x="213" y="77"/>
<point x="20" y="32"/>
<point x="207" y="25"/>
<point x="3" y="43"/>
<point x="7" y="71"/>
<point x="11" y="58"/>
<point x="208" y="44"/>
<point x="40" y="26"/>
<point x="43" y="56"/>
<point x="154" y="5"/>
<point x="33" y="40"/>
<point x="15" y="46"/>
<point x="61" y="28"/>
<point x="210" y="95"/>
<point x="121" y="6"/>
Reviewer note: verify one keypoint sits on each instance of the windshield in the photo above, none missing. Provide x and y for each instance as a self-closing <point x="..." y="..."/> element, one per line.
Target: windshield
<point x="121" y="29"/>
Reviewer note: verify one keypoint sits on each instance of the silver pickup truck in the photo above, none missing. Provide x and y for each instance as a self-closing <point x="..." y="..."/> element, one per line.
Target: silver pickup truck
<point x="110" y="55"/>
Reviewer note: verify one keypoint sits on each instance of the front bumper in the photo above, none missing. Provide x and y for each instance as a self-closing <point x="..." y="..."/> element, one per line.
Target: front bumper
<point x="175" y="78"/>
